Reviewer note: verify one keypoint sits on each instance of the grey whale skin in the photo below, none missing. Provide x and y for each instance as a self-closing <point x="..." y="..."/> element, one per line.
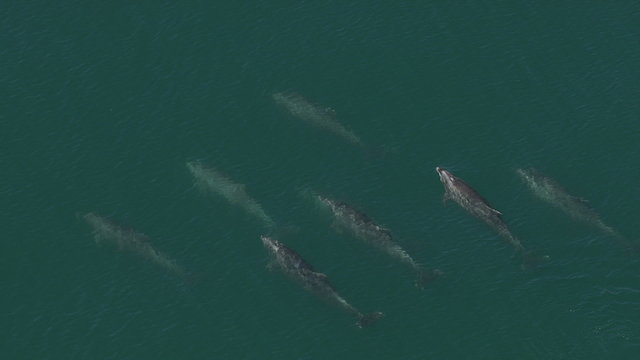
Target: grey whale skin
<point x="294" y="266"/>
<point x="211" y="180"/>
<point x="314" y="115"/>
<point x="363" y="227"/>
<point x="128" y="240"/>
<point x="463" y="194"/>
<point x="578" y="209"/>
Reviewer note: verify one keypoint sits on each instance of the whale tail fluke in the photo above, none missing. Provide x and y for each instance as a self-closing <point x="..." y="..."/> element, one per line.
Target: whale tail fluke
<point x="425" y="277"/>
<point x="531" y="259"/>
<point x="367" y="320"/>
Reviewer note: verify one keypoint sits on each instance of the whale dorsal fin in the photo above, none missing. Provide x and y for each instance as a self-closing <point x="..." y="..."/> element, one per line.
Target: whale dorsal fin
<point x="322" y="276"/>
<point x="330" y="111"/>
<point x="239" y="188"/>
<point x="143" y="238"/>
<point x="580" y="200"/>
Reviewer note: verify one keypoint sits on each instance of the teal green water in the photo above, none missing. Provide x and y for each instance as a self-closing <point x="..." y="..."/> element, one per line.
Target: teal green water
<point x="103" y="103"/>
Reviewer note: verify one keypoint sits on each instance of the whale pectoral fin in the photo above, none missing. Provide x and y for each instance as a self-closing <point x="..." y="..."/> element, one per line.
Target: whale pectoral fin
<point x="446" y="197"/>
<point x="272" y="265"/>
<point x="496" y="211"/>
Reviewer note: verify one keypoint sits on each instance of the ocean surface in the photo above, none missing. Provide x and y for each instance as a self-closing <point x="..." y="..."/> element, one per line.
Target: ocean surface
<point x="103" y="104"/>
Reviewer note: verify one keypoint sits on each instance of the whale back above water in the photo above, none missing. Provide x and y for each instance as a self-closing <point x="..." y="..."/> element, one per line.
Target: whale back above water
<point x="317" y="116"/>
<point x="553" y="193"/>
<point x="366" y="229"/>
<point x="128" y="240"/>
<point x="469" y="199"/>
<point x="211" y="180"/>
<point x="293" y="265"/>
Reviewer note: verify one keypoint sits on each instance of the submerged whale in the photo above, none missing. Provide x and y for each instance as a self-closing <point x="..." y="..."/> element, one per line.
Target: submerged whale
<point x="294" y="266"/>
<point x="209" y="179"/>
<point x="463" y="194"/>
<point x="314" y="115"/>
<point x="366" y="229"/>
<point x="555" y="194"/>
<point x="128" y="240"/>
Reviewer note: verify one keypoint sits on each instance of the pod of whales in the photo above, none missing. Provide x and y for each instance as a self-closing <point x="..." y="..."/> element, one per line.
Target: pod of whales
<point x="465" y="196"/>
<point x="364" y="228"/>
<point x="294" y="266"/>
<point x="347" y="217"/>
<point x="127" y="240"/>
<point x="359" y="224"/>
